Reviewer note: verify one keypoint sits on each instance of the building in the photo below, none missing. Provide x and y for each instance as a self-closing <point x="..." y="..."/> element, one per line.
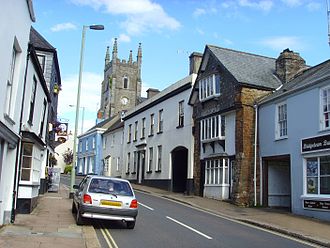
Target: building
<point x="223" y="99"/>
<point x="294" y="134"/>
<point x="47" y="57"/>
<point x="90" y="146"/>
<point x="13" y="60"/>
<point x="158" y="141"/>
<point x="113" y="148"/>
<point x="121" y="87"/>
<point x="34" y="131"/>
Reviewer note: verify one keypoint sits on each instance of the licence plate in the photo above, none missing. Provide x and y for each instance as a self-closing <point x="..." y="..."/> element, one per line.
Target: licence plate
<point x="111" y="203"/>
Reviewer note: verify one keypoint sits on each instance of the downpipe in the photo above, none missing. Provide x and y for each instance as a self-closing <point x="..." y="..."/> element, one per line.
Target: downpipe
<point x="255" y="154"/>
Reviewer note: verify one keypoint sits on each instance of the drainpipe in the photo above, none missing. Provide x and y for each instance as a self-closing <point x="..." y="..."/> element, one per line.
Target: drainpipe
<point x="255" y="154"/>
<point x="19" y="146"/>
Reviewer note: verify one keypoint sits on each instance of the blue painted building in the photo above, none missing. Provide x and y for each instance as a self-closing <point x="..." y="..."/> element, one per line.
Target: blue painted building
<point x="294" y="134"/>
<point x="89" y="153"/>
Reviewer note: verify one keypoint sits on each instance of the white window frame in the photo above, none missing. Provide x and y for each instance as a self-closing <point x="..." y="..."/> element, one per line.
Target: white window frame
<point x="160" y="121"/>
<point x="93" y="143"/>
<point x="181" y="114"/>
<point x="136" y="127"/>
<point x="209" y="87"/>
<point x="213" y="128"/>
<point x="135" y="157"/>
<point x="159" y="158"/>
<point x="117" y="163"/>
<point x="152" y="124"/>
<point x="28" y="156"/>
<point x="317" y="176"/>
<point x="129" y="135"/>
<point x="128" y="164"/>
<point x="325" y="108"/>
<point x="281" y="120"/>
<point x="217" y="172"/>
<point x="150" y="160"/>
<point x="143" y="128"/>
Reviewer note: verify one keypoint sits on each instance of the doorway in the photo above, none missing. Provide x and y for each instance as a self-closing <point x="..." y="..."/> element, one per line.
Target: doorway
<point x="179" y="169"/>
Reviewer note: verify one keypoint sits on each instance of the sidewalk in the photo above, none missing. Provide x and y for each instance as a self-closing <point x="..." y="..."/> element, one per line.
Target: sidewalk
<point x="50" y="225"/>
<point x="304" y="228"/>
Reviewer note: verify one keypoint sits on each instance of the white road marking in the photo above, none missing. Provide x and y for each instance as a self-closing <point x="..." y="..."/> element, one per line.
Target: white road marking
<point x="150" y="208"/>
<point x="190" y="228"/>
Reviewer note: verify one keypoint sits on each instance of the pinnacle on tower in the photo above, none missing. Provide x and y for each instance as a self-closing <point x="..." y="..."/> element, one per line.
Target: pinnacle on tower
<point x="130" y="59"/>
<point x="114" y="50"/>
<point x="107" y="57"/>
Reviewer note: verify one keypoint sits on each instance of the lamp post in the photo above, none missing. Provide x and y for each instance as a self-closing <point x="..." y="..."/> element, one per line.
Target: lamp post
<point x="82" y="117"/>
<point x="73" y="171"/>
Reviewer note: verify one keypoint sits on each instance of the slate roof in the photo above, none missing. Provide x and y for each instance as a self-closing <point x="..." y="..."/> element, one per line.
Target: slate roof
<point x="38" y="41"/>
<point x="248" y="68"/>
<point x="305" y="79"/>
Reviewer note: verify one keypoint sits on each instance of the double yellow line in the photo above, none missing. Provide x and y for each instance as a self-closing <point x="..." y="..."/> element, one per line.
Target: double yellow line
<point x="107" y="237"/>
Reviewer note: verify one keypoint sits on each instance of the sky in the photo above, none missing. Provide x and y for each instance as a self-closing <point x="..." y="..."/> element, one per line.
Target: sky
<point x="170" y="30"/>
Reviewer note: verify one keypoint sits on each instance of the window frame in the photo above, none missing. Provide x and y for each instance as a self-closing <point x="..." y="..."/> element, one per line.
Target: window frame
<point x="150" y="159"/>
<point x="33" y="100"/>
<point x="125" y="81"/>
<point x="217" y="172"/>
<point x="209" y="87"/>
<point x="160" y="121"/>
<point x="159" y="158"/>
<point x="281" y="121"/>
<point x="181" y="114"/>
<point x="24" y="157"/>
<point x="213" y="128"/>
<point x="143" y="128"/>
<point x="152" y="124"/>
<point x="324" y="123"/>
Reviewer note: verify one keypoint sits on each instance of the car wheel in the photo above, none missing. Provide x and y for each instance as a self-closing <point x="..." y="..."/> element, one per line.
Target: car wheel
<point x="130" y="224"/>
<point x="79" y="218"/>
<point x="73" y="209"/>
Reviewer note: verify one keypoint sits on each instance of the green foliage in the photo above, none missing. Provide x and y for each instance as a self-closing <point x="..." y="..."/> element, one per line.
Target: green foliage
<point x="68" y="169"/>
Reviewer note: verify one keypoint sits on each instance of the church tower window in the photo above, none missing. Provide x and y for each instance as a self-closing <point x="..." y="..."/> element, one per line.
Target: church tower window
<point x="125" y="82"/>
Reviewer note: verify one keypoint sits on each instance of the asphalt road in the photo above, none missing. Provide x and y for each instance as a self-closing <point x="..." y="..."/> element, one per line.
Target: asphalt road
<point x="164" y="223"/>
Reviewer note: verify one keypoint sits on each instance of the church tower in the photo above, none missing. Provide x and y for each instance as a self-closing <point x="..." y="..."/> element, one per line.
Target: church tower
<point x="121" y="87"/>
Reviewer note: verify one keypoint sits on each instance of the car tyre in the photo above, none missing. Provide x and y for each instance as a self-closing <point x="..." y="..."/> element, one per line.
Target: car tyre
<point x="79" y="218"/>
<point x="130" y="224"/>
<point x="73" y="209"/>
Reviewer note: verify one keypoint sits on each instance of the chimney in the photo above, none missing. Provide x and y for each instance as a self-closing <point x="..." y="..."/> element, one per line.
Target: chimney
<point x="195" y="60"/>
<point x="152" y="92"/>
<point x="288" y="64"/>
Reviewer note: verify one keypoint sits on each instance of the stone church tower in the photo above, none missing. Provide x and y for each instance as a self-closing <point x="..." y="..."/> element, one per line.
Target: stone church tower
<point x="121" y="87"/>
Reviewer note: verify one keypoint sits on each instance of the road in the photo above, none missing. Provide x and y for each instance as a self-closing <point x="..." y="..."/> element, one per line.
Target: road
<point x="164" y="223"/>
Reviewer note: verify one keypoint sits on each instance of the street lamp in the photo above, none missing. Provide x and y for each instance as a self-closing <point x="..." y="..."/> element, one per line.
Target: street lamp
<point x="73" y="171"/>
<point x="82" y="117"/>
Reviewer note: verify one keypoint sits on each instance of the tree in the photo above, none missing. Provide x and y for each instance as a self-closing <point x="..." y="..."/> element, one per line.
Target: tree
<point x="68" y="156"/>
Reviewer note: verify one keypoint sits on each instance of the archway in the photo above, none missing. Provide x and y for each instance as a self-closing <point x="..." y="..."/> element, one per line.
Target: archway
<point x="179" y="169"/>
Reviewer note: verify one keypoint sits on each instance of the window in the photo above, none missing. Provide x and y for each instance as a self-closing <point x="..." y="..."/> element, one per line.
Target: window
<point x="318" y="175"/>
<point x="135" y="158"/>
<point x="181" y="114"/>
<point x="159" y="158"/>
<point x="80" y="146"/>
<point x="93" y="144"/>
<point x="152" y="124"/>
<point x="135" y="131"/>
<point x="32" y="99"/>
<point x="160" y="121"/>
<point x="91" y="165"/>
<point x="42" y="61"/>
<point x="125" y="82"/>
<point x="213" y="128"/>
<point x="143" y="129"/>
<point x="217" y="171"/>
<point x="104" y="142"/>
<point x="325" y="108"/>
<point x="151" y="154"/>
<point x="209" y="87"/>
<point x="43" y="118"/>
<point x="86" y="145"/>
<point x="11" y="80"/>
<point x="117" y="164"/>
<point x="129" y="136"/>
<point x="281" y="121"/>
<point x="27" y="162"/>
<point x="128" y="162"/>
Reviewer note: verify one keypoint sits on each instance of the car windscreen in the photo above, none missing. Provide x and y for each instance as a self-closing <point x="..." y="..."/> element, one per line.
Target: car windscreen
<point x="109" y="186"/>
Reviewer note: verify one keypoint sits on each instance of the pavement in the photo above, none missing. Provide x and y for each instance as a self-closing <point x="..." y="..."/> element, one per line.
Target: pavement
<point x="51" y="224"/>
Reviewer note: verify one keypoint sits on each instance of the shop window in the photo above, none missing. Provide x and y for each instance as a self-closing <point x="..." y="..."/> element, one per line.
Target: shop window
<point x="318" y="175"/>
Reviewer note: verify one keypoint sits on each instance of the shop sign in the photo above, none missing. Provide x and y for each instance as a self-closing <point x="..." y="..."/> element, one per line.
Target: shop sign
<point x="315" y="143"/>
<point x="312" y="204"/>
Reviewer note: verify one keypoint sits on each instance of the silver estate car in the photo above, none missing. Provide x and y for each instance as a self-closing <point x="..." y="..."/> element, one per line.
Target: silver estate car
<point x="100" y="197"/>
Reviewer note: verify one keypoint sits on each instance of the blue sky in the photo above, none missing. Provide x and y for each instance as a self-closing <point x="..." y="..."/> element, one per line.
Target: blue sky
<point x="169" y="31"/>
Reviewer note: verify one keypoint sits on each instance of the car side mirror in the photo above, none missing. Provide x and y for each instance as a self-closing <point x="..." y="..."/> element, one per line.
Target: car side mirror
<point x="75" y="186"/>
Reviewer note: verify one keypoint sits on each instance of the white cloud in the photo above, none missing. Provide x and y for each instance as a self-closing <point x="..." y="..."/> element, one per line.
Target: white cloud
<point x="280" y="43"/>
<point x="141" y="15"/>
<point x="124" y="38"/>
<point x="198" y="12"/>
<point x="89" y="97"/>
<point x="63" y="26"/>
<point x="200" y="31"/>
<point x="313" y="6"/>
<point x="264" y="5"/>
<point x="292" y="3"/>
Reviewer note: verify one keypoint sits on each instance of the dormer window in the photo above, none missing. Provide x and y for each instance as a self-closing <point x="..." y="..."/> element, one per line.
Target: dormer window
<point x="209" y="87"/>
<point x="125" y="82"/>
